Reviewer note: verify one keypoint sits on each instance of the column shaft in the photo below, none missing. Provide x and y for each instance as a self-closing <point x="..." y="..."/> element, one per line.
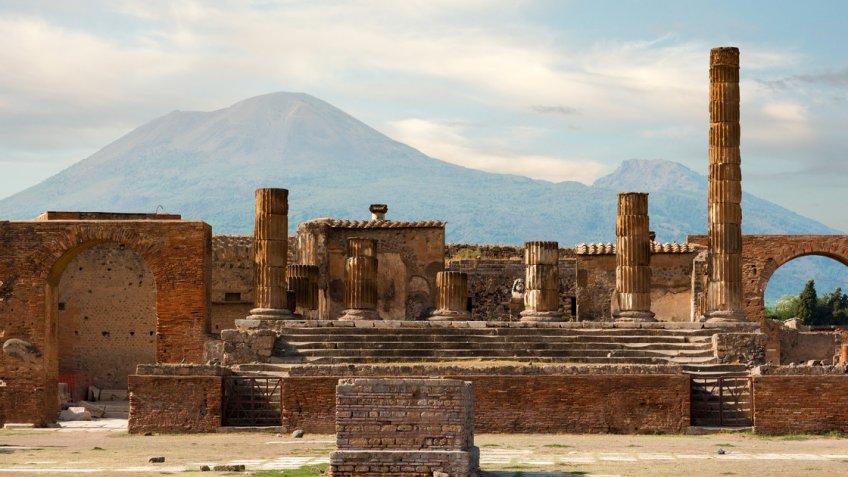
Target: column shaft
<point x="361" y="280"/>
<point x="270" y="252"/>
<point x="633" y="258"/>
<point x="451" y="297"/>
<point x="724" y="230"/>
<point x="541" y="292"/>
<point x="303" y="280"/>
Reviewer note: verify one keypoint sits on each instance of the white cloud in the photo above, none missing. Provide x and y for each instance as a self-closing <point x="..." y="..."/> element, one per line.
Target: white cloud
<point x="446" y="142"/>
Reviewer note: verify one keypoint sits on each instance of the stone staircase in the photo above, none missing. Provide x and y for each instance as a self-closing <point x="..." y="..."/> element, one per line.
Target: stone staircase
<point x="326" y="345"/>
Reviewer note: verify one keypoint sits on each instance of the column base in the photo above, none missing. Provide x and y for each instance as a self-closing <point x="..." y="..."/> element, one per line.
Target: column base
<point x="356" y="314"/>
<point x="634" y="317"/>
<point x="541" y="316"/>
<point x="726" y="316"/>
<point x="270" y="314"/>
<point x="449" y="315"/>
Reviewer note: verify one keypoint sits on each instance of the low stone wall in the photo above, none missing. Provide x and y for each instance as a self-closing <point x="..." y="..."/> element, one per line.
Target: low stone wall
<point x="404" y="427"/>
<point x="175" y="398"/>
<point x="788" y="404"/>
<point x="529" y="398"/>
<point x="800" y="347"/>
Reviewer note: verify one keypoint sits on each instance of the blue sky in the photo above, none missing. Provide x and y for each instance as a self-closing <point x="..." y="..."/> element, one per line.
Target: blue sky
<point x="554" y="90"/>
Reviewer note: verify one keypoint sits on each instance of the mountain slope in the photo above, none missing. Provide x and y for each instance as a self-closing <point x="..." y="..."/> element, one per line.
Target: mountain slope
<point x="206" y="165"/>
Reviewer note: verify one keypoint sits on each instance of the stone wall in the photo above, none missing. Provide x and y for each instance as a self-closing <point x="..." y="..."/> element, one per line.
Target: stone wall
<point x="510" y="399"/>
<point x="404" y="427"/>
<point x="33" y="257"/>
<point x="671" y="285"/>
<point x="740" y="348"/>
<point x="800" y="347"/>
<point x="796" y="404"/>
<point x="174" y="398"/>
<point x="409" y="254"/>
<point x="107" y="315"/>
<point x="490" y="286"/>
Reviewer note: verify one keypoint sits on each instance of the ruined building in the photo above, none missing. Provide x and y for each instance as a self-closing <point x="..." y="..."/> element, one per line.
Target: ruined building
<point x="212" y="331"/>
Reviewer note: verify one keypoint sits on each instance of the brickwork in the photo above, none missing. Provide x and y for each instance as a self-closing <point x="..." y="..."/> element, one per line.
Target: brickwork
<point x="411" y="427"/>
<point x="174" y="404"/>
<point x="33" y="258"/>
<point x="510" y="401"/>
<point x="793" y="404"/>
<point x="763" y="254"/>
<point x="107" y="315"/>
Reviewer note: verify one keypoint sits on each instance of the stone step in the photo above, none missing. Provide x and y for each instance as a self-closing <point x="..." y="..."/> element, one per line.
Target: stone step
<point x="675" y="334"/>
<point x="400" y="337"/>
<point x="535" y="359"/>
<point x="665" y="348"/>
<point x="504" y="352"/>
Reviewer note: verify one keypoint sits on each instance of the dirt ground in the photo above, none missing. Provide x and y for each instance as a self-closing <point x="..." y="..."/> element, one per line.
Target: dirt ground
<point x="114" y="452"/>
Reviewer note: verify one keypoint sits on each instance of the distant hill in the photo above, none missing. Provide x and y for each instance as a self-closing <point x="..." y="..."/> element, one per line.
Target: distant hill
<point x="206" y="165"/>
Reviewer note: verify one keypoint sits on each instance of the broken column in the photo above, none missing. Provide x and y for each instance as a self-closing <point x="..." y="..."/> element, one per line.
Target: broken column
<point x="303" y="281"/>
<point x="541" y="295"/>
<point x="451" y="297"/>
<point x="633" y="258"/>
<point x="724" y="286"/>
<point x="360" y="280"/>
<point x="270" y="252"/>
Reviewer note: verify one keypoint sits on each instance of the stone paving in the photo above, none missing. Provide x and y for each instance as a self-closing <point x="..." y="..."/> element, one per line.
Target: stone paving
<point x="102" y="447"/>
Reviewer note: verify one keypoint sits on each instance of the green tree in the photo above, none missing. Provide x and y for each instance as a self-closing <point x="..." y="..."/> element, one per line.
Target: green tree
<point x="808" y="304"/>
<point x="785" y="308"/>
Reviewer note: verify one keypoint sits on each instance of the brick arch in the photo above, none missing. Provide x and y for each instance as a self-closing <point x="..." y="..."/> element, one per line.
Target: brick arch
<point x="33" y="255"/>
<point x="762" y="255"/>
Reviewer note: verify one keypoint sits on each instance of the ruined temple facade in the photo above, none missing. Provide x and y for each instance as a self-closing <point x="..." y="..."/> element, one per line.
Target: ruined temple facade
<point x="191" y="312"/>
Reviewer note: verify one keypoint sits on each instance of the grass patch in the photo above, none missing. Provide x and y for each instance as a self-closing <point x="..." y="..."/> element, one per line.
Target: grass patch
<point x="557" y="446"/>
<point x="634" y="445"/>
<point x="303" y="471"/>
<point x="490" y="445"/>
<point x="724" y="444"/>
<point x="798" y="437"/>
<point x="97" y="448"/>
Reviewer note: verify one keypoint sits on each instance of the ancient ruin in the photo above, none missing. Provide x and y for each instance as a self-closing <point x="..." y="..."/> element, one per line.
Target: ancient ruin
<point x="633" y="258"/>
<point x="289" y="332"/>
<point x="724" y="289"/>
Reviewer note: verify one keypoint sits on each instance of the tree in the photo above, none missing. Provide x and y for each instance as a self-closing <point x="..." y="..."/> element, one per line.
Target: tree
<point x="785" y="308"/>
<point x="808" y="304"/>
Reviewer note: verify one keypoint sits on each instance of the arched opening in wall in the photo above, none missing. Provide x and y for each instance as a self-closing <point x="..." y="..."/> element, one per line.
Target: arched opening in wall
<point x="105" y="309"/>
<point x="787" y="282"/>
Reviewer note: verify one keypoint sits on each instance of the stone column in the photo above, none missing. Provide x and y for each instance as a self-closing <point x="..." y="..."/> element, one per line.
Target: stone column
<point x="361" y="280"/>
<point x="724" y="230"/>
<point x="633" y="258"/>
<point x="270" y="251"/>
<point x="451" y="297"/>
<point x="303" y="280"/>
<point x="541" y="294"/>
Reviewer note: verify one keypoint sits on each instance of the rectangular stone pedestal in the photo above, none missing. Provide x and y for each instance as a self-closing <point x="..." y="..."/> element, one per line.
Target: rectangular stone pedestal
<point x="404" y="463"/>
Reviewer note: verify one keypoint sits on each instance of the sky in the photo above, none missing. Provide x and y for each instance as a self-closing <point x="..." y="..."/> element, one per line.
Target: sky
<point x="553" y="90"/>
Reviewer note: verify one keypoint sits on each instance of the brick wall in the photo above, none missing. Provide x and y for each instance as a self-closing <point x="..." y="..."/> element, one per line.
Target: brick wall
<point x="539" y="403"/>
<point x="174" y="403"/>
<point x="379" y="414"/>
<point x="794" y="404"/>
<point x="404" y="427"/>
<point x="107" y="315"/>
<point x="35" y="254"/>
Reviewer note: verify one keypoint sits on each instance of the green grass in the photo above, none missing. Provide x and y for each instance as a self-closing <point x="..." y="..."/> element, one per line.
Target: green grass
<point x="557" y="446"/>
<point x="798" y="437"/>
<point x="724" y="444"/>
<point x="304" y="471"/>
<point x="490" y="445"/>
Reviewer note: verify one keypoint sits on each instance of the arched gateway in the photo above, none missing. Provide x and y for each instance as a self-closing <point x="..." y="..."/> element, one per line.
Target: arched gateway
<point x="33" y="257"/>
<point x="763" y="254"/>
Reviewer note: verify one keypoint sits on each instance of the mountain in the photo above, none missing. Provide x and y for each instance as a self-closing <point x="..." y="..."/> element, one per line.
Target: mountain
<point x="206" y="165"/>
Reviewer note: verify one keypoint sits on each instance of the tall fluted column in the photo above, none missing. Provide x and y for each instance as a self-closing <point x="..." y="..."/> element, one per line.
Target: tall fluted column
<point x="361" y="280"/>
<point x="541" y="295"/>
<point x="270" y="251"/>
<point x="451" y="297"/>
<point x="303" y="280"/>
<point x="633" y="258"/>
<point x="724" y="288"/>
